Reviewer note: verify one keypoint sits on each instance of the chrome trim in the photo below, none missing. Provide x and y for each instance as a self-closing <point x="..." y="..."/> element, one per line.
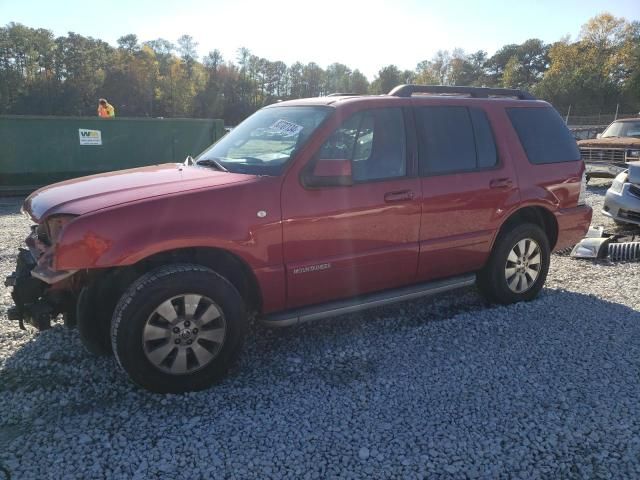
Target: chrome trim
<point x="603" y="154"/>
<point x="341" y="307"/>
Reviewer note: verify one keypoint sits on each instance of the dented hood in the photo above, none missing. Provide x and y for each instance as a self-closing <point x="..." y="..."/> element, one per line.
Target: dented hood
<point x="88" y="194"/>
<point x="611" y="142"/>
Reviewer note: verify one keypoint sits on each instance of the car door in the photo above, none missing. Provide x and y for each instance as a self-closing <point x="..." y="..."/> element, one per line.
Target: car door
<point x="356" y="236"/>
<point x="468" y="183"/>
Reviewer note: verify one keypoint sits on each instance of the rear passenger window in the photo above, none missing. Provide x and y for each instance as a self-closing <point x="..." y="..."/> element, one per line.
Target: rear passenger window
<point x="543" y="135"/>
<point x="454" y="139"/>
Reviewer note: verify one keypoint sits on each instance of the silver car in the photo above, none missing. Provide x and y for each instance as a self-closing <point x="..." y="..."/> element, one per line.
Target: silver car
<point x="622" y="201"/>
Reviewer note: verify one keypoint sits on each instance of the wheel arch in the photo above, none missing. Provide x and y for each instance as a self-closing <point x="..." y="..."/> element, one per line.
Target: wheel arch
<point x="541" y="216"/>
<point x="221" y="261"/>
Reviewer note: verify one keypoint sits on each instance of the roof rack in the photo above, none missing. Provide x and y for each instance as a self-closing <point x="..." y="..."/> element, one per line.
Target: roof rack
<point x="474" y="92"/>
<point x="337" y="94"/>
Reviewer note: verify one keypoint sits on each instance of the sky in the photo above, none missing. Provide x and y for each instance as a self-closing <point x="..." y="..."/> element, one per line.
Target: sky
<point x="366" y="35"/>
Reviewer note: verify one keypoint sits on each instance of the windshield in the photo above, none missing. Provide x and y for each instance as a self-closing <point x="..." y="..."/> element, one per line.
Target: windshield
<point x="622" y="129"/>
<point x="266" y="141"/>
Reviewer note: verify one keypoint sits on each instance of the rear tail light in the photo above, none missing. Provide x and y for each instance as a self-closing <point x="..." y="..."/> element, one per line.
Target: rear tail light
<point x="582" y="198"/>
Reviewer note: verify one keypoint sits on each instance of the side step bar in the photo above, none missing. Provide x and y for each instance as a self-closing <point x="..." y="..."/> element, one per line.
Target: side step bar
<point x="340" y="307"/>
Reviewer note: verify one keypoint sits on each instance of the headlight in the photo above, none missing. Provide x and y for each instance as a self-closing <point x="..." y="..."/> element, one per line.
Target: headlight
<point x="633" y="154"/>
<point x="618" y="183"/>
<point x="56" y="223"/>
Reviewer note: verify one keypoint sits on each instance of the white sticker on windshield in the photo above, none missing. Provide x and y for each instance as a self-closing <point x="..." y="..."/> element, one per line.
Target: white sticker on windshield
<point x="288" y="128"/>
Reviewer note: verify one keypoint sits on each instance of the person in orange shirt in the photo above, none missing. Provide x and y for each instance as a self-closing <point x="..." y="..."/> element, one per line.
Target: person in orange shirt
<point x="105" y="109"/>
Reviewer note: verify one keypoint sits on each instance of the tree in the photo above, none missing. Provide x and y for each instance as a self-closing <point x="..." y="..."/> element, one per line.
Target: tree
<point x="313" y="80"/>
<point x="129" y="43"/>
<point x="338" y="78"/>
<point x="187" y="47"/>
<point x="296" y="84"/>
<point x="41" y="74"/>
<point x="426" y="73"/>
<point x="591" y="74"/>
<point x="212" y="61"/>
<point x="388" y="78"/>
<point x="359" y="83"/>
<point x="526" y="64"/>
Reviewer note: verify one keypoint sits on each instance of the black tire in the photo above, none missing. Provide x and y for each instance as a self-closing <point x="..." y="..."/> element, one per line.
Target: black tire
<point x="93" y="319"/>
<point x="141" y="302"/>
<point x="492" y="279"/>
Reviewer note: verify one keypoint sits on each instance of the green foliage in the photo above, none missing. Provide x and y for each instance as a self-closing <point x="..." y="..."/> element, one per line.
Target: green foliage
<point x="40" y="74"/>
<point x="597" y="71"/>
<point x="388" y="77"/>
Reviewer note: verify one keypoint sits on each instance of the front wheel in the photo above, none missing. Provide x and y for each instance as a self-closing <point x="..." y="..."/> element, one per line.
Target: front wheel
<point x="518" y="265"/>
<point x="178" y="328"/>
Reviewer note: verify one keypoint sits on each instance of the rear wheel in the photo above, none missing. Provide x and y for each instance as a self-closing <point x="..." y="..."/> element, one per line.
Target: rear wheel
<point x="518" y="265"/>
<point x="178" y="328"/>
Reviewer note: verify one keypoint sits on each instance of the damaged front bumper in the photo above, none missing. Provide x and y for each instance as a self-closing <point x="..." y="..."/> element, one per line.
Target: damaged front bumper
<point x="612" y="246"/>
<point x="27" y="293"/>
<point x="622" y="200"/>
<point x="623" y="205"/>
<point x="36" y="302"/>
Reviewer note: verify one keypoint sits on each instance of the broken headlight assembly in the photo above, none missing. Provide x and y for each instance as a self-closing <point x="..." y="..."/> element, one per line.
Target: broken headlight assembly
<point x="56" y="224"/>
<point x="618" y="183"/>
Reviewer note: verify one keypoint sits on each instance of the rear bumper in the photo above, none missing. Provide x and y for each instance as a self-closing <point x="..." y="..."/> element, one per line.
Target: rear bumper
<point x="573" y="224"/>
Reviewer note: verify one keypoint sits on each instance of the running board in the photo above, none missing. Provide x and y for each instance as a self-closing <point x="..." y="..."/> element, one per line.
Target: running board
<point x="340" y="307"/>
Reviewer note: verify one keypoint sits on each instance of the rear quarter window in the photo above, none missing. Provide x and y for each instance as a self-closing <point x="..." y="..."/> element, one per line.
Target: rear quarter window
<point x="543" y="135"/>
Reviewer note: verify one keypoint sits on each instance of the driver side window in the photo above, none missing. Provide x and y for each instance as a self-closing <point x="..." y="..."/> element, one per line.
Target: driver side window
<point x="340" y="144"/>
<point x="374" y="141"/>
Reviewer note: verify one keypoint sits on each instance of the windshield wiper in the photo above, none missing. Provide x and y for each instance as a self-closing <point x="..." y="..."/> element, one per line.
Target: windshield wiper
<point x="211" y="162"/>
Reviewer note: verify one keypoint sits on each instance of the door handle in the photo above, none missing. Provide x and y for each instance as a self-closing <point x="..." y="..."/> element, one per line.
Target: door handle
<point x="501" y="183"/>
<point x="399" y="196"/>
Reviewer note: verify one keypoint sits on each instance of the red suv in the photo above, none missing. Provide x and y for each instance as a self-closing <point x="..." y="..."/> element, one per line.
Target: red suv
<point x="309" y="208"/>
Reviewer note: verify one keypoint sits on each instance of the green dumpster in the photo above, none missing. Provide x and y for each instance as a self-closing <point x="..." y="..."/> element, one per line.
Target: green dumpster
<point x="39" y="150"/>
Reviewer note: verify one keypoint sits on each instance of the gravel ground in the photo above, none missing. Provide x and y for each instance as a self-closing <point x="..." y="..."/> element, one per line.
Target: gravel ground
<point x="447" y="387"/>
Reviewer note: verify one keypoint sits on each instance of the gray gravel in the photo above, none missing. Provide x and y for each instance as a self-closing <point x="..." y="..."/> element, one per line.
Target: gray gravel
<point x="447" y="387"/>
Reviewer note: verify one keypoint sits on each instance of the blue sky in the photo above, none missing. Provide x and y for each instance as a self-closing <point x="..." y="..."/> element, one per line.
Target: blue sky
<point x="362" y="34"/>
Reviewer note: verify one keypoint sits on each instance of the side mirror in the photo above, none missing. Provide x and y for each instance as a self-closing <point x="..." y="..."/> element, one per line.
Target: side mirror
<point x="599" y="135"/>
<point x="330" y="173"/>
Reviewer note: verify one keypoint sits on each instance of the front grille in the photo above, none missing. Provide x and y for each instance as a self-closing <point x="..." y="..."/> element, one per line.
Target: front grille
<point x="624" y="251"/>
<point x="603" y="155"/>
<point x="633" y="190"/>
<point x="630" y="214"/>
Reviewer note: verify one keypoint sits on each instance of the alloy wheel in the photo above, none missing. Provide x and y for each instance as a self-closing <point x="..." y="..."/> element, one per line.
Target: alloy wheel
<point x="523" y="265"/>
<point x="184" y="334"/>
